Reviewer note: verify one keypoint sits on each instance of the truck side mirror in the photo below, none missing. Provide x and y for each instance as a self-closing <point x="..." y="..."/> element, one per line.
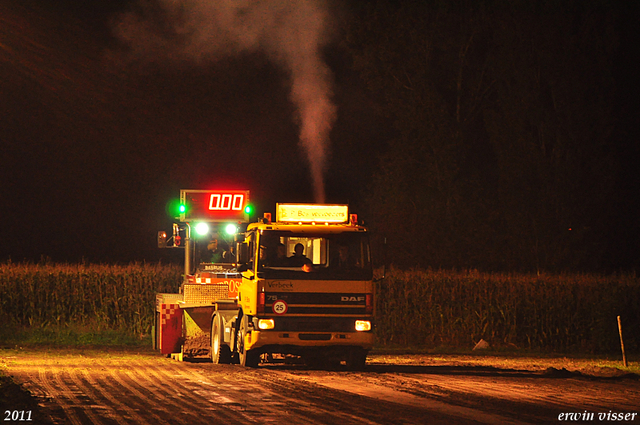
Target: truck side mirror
<point x="162" y="239"/>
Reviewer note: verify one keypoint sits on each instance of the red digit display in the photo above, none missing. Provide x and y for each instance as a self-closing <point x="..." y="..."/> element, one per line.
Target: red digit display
<point x="226" y="202"/>
<point x="214" y="205"/>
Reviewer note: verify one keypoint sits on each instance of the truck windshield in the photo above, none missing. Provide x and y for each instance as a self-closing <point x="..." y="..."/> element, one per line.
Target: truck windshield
<point x="321" y="256"/>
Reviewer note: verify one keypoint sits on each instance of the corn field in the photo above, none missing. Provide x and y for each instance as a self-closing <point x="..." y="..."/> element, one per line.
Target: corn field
<point x="95" y="297"/>
<point x="548" y="312"/>
<point x="413" y="308"/>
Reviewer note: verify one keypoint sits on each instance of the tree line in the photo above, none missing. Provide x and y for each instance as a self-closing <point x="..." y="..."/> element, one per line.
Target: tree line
<point x="507" y="152"/>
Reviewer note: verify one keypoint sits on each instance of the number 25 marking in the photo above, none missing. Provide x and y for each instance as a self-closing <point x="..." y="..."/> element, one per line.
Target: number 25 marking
<point x="279" y="307"/>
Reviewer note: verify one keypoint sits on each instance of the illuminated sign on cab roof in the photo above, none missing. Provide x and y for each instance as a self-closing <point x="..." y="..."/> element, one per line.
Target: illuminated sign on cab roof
<point x="312" y="213"/>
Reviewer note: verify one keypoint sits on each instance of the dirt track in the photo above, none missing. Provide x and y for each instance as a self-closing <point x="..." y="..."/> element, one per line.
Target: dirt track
<point x="123" y="388"/>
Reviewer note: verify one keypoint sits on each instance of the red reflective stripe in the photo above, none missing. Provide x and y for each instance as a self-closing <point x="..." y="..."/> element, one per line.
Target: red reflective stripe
<point x="369" y="303"/>
<point x="261" y="299"/>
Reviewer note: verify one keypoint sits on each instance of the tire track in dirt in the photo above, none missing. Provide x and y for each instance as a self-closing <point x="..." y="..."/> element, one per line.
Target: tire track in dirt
<point x="113" y="391"/>
<point x="539" y="391"/>
<point x="322" y="402"/>
<point x="103" y="391"/>
<point x="183" y="408"/>
<point x="216" y="396"/>
<point x="97" y="385"/>
<point x="383" y="392"/>
<point x="66" y="389"/>
<point x="119" y="406"/>
<point x="144" y="401"/>
<point x="50" y="391"/>
<point x="265" y="403"/>
<point x="495" y="396"/>
<point x="235" y="391"/>
<point x="175" y="383"/>
<point x="81" y="381"/>
<point x="108" y="389"/>
<point x="165" y="393"/>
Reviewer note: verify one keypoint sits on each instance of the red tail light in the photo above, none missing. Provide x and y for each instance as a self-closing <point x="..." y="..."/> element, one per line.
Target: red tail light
<point x="369" y="303"/>
<point x="261" y="302"/>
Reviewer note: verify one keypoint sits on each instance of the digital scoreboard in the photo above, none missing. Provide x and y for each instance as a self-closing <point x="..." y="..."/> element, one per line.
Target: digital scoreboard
<point x="214" y="205"/>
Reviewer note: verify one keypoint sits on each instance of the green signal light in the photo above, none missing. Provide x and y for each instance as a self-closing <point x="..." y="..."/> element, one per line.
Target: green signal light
<point x="248" y="209"/>
<point x="182" y="208"/>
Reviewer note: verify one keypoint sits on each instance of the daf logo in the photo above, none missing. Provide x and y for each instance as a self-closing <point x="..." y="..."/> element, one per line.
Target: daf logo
<point x="351" y="299"/>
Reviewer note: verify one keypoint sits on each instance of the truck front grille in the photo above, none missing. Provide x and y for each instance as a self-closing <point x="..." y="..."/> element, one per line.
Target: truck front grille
<point x="310" y="303"/>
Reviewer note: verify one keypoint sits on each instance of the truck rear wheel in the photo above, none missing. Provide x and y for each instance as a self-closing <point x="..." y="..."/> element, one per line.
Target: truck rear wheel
<point x="220" y="353"/>
<point x="248" y="358"/>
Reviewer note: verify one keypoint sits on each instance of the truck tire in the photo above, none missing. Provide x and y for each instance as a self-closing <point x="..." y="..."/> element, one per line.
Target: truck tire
<point x="220" y="353"/>
<point x="356" y="359"/>
<point x="248" y="358"/>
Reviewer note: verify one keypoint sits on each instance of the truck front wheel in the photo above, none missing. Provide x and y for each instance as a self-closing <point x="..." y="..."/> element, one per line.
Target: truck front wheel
<point x="356" y="359"/>
<point x="220" y="353"/>
<point x="248" y="358"/>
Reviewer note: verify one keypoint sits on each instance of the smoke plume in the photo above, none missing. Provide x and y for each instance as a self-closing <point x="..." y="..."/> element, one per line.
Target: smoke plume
<point x="291" y="32"/>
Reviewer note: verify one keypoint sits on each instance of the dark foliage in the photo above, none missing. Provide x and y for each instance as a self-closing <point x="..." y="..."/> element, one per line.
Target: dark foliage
<point x="507" y="148"/>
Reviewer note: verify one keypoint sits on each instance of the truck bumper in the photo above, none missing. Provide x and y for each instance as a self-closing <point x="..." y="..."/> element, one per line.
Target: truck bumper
<point x="291" y="342"/>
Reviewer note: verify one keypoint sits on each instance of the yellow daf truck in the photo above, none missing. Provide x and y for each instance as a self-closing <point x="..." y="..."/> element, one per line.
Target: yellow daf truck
<point x="306" y="288"/>
<point x="302" y="285"/>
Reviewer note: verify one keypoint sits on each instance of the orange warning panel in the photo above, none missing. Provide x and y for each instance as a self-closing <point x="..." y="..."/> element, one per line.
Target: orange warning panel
<point x="228" y="284"/>
<point x="170" y="328"/>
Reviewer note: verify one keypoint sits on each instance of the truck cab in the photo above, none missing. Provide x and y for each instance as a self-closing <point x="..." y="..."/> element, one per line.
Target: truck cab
<point x="306" y="286"/>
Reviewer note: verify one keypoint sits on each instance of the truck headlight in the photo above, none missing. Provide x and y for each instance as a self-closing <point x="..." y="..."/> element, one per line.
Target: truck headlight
<point x="363" y="325"/>
<point x="266" y="324"/>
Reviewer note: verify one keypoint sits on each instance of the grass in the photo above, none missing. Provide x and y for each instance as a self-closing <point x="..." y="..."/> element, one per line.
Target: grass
<point x="70" y="337"/>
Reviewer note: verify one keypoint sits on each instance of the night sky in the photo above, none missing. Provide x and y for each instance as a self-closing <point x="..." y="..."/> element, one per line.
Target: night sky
<point x="96" y="140"/>
<point x="101" y="125"/>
